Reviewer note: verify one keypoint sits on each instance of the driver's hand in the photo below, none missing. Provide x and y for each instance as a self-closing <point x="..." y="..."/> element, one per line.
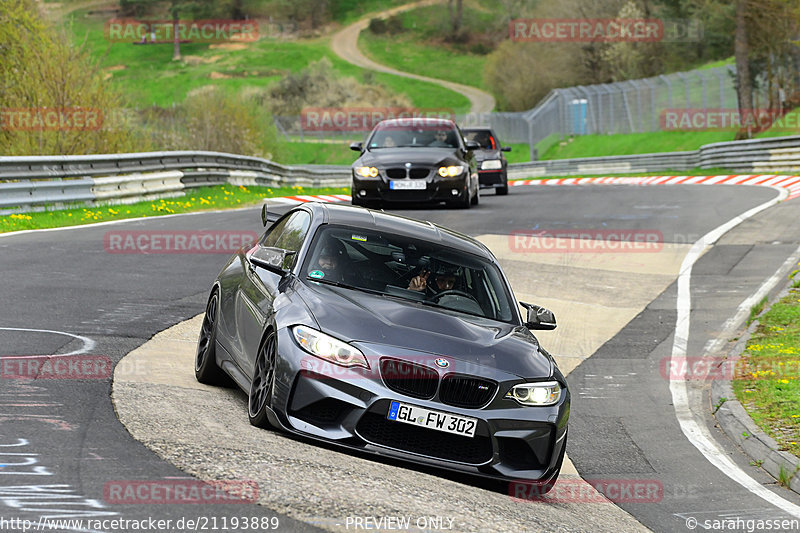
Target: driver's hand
<point x="418" y="283"/>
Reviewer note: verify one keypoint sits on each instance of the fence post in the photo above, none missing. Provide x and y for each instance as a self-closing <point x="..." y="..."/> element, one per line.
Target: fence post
<point x="669" y="90"/>
<point x="683" y="77"/>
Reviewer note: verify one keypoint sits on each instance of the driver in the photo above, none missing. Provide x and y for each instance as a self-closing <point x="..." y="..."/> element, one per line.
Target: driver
<point x="330" y="261"/>
<point x="441" y="139"/>
<point x="444" y="279"/>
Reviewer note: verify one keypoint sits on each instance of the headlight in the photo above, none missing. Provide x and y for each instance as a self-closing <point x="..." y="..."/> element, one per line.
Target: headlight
<point x="367" y="172"/>
<point x="451" y="171"/>
<point x="492" y="164"/>
<point x="545" y="393"/>
<point x="327" y="348"/>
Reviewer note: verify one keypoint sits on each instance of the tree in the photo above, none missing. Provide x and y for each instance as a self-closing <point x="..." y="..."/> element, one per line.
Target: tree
<point x="765" y="50"/>
<point x="744" y="85"/>
<point x="43" y="73"/>
<point x="455" y="17"/>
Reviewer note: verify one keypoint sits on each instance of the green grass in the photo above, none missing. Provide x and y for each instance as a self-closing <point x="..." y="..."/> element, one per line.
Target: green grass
<point x="419" y="48"/>
<point x="633" y="143"/>
<point x="200" y="199"/>
<point x="346" y="11"/>
<point x="756" y="310"/>
<point x="768" y="383"/>
<point x="296" y="153"/>
<point x="651" y="142"/>
<point x="715" y="64"/>
<point x="666" y="172"/>
<point x="148" y="76"/>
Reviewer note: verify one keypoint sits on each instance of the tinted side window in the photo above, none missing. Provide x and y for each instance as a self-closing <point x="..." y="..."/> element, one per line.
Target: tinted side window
<point x="294" y="231"/>
<point x="289" y="232"/>
<point x="273" y="233"/>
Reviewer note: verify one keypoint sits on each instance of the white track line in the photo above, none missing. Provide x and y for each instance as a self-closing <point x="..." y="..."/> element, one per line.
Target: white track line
<point x="88" y="344"/>
<point x="691" y="424"/>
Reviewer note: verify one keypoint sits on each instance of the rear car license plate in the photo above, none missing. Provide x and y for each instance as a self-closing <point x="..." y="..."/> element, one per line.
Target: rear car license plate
<point x="419" y="416"/>
<point x="408" y="185"/>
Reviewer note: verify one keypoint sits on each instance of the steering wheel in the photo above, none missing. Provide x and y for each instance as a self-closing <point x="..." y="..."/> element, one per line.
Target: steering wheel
<point x="453" y="292"/>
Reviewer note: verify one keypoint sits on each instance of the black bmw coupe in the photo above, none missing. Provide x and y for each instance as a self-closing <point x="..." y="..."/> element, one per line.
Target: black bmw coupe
<point x="413" y="161"/>
<point x="388" y="335"/>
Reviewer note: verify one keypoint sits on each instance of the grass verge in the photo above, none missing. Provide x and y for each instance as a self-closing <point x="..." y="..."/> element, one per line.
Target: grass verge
<point x="768" y="384"/>
<point x="147" y="75"/>
<point x="200" y="199"/>
<point x="692" y="172"/>
<point x="420" y="47"/>
<point x="633" y="143"/>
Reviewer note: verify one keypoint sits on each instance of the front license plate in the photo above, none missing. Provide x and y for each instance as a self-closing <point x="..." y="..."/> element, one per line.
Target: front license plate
<point x="408" y="185"/>
<point x="419" y="416"/>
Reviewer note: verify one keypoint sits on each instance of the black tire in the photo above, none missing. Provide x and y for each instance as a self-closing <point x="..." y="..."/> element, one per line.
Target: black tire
<point x="258" y="400"/>
<point x="462" y="203"/>
<point x="476" y="199"/>
<point x="502" y="191"/>
<point x="205" y="363"/>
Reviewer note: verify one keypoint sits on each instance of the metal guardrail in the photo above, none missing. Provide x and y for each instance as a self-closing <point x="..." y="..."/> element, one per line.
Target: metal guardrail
<point x="26" y="182"/>
<point x="55" y="180"/>
<point x="776" y="154"/>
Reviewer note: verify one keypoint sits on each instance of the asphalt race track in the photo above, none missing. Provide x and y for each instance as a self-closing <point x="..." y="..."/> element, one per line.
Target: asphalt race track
<point x="62" y="445"/>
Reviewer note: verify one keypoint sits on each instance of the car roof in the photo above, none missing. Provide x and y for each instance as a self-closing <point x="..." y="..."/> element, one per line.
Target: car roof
<point x="348" y="215"/>
<point x="416" y="121"/>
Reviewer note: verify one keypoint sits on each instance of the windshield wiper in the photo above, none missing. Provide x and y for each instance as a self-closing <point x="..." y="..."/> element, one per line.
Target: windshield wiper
<point x="345" y="285"/>
<point x="438" y="306"/>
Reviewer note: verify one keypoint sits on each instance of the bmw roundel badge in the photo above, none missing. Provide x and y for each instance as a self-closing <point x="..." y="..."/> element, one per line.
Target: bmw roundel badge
<point x="442" y="362"/>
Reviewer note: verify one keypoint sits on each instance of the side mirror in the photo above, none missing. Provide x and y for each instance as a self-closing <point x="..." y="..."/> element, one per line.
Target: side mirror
<point x="539" y="317"/>
<point x="268" y="217"/>
<point x="272" y="259"/>
<point x="357" y="146"/>
<point x="472" y="145"/>
<point x="505" y="149"/>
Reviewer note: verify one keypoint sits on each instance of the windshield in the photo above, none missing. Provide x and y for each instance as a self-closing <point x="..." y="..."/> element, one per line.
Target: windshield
<point x="482" y="137"/>
<point x="408" y="268"/>
<point x="440" y="136"/>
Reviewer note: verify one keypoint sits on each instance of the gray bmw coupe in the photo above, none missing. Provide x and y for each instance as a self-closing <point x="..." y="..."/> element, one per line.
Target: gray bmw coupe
<point x="388" y="335"/>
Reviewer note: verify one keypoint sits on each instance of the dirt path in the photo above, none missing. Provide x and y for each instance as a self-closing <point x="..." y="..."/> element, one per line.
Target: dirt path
<point x="345" y="45"/>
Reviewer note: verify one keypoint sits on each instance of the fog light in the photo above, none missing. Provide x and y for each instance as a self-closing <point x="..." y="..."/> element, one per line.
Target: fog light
<point x="454" y="192"/>
<point x="362" y="192"/>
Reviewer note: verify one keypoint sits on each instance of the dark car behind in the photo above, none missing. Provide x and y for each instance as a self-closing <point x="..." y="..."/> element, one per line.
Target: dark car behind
<point x="491" y="163"/>
<point x="415" y="161"/>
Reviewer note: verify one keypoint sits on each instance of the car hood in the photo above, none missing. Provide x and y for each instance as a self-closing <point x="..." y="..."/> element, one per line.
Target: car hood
<point x="356" y="316"/>
<point x="482" y="155"/>
<point x="400" y="156"/>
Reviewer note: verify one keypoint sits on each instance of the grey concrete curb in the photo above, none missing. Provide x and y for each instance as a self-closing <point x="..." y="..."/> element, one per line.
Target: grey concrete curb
<point x="737" y="424"/>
